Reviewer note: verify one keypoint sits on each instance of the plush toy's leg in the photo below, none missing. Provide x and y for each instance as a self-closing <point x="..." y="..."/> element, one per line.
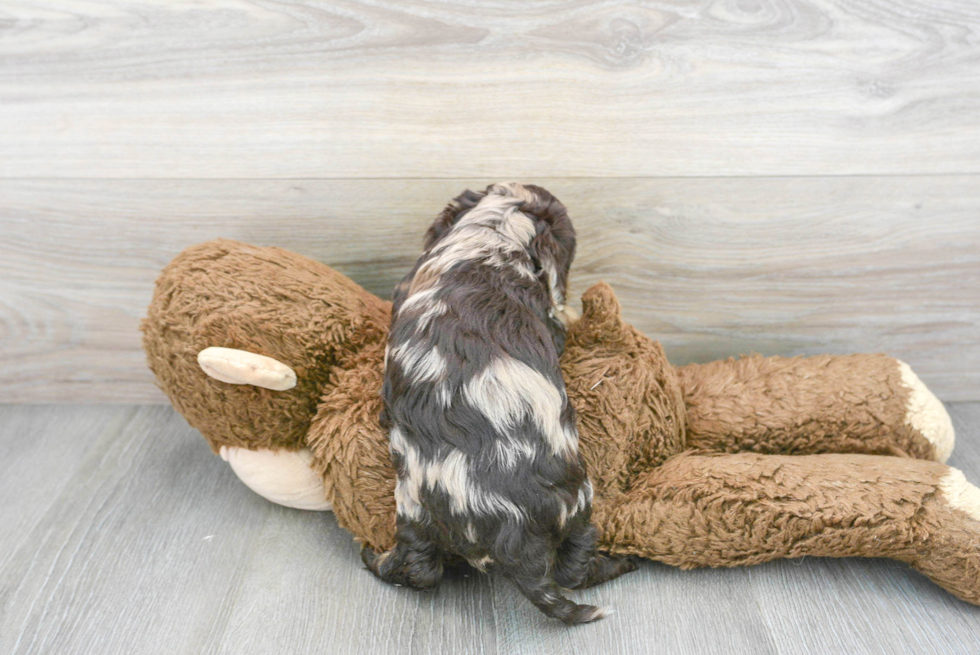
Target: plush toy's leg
<point x="732" y="510"/>
<point x="871" y="404"/>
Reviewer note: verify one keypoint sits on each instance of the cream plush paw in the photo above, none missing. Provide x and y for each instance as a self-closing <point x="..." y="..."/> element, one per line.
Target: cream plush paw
<point x="282" y="476"/>
<point x="927" y="415"/>
<point x="960" y="494"/>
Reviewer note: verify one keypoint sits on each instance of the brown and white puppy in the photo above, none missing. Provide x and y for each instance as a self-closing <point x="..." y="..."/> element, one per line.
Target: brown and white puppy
<point x="482" y="434"/>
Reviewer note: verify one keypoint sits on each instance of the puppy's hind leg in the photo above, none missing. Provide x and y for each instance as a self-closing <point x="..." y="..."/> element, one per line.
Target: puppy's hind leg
<point x="579" y="565"/>
<point x="414" y="561"/>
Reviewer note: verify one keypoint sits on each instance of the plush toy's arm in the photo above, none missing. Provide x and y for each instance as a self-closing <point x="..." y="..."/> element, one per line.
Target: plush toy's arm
<point x="733" y="510"/>
<point x="871" y="404"/>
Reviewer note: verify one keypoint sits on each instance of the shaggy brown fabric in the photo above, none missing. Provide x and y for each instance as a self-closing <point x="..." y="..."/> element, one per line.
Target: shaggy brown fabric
<point x="734" y="510"/>
<point x="629" y="404"/>
<point x="949" y="549"/>
<point x="801" y="406"/>
<point x="350" y="451"/>
<point x="265" y="300"/>
<point x="636" y="415"/>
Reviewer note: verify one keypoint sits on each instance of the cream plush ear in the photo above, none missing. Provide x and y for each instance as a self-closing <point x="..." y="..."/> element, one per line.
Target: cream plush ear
<point x="242" y="367"/>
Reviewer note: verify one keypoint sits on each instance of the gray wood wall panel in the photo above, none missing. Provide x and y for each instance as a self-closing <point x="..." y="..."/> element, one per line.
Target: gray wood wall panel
<point x="352" y="89"/>
<point x="712" y="267"/>
<point x="147" y="543"/>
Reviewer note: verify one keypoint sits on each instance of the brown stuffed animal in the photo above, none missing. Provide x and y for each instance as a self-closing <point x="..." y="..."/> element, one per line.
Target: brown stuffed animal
<point x="277" y="360"/>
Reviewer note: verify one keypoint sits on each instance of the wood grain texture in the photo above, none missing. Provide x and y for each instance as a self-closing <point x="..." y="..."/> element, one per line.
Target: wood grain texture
<point x="711" y="267"/>
<point x="135" y="538"/>
<point x="40" y="453"/>
<point x="408" y="89"/>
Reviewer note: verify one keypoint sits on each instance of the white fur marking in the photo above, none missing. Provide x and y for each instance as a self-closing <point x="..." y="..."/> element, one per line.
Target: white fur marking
<point x="517" y="226"/>
<point x="600" y="613"/>
<point x="570" y="436"/>
<point x="584" y="496"/>
<point x="405" y="505"/>
<point x="419" y="297"/>
<point x="408" y="498"/>
<point x="438" y="308"/>
<point x="507" y="390"/>
<point x="481" y="563"/>
<point x="471" y="243"/>
<point x="960" y="494"/>
<point x="490" y="230"/>
<point x="509" y="449"/>
<point x="557" y="297"/>
<point x="445" y="395"/>
<point x="926" y="414"/>
<point x="452" y="474"/>
<point x="511" y="188"/>
<point x="419" y="363"/>
<point x="581" y="502"/>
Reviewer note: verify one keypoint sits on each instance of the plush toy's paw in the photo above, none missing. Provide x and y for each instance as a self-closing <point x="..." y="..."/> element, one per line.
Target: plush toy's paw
<point x="282" y="476"/>
<point x="926" y="414"/>
<point x="949" y="552"/>
<point x="242" y="367"/>
<point x="960" y="494"/>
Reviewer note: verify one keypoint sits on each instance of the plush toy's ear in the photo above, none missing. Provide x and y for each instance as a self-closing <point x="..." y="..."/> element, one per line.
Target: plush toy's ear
<point x="236" y="366"/>
<point x="601" y="322"/>
<point x="452" y="213"/>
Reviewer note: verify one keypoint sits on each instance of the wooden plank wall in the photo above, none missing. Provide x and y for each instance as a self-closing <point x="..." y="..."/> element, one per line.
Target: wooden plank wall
<point x="750" y="175"/>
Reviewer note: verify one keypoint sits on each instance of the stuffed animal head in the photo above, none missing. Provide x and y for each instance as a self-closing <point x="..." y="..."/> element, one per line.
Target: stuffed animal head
<point x="268" y="302"/>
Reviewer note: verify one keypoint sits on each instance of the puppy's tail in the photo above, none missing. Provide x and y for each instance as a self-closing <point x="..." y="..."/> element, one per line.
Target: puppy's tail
<point x="546" y="596"/>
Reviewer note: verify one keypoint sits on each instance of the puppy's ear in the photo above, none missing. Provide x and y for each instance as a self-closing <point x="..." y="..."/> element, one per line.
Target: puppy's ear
<point x="553" y="246"/>
<point x="452" y="213"/>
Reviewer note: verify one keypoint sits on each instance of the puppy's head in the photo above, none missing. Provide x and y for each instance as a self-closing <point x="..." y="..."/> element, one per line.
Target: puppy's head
<point x="551" y="247"/>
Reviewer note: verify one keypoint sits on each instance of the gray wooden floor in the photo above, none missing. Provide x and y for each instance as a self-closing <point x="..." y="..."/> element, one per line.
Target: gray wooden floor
<point x="121" y="533"/>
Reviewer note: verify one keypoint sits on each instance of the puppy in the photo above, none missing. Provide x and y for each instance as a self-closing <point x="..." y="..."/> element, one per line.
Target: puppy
<point x="482" y="434"/>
